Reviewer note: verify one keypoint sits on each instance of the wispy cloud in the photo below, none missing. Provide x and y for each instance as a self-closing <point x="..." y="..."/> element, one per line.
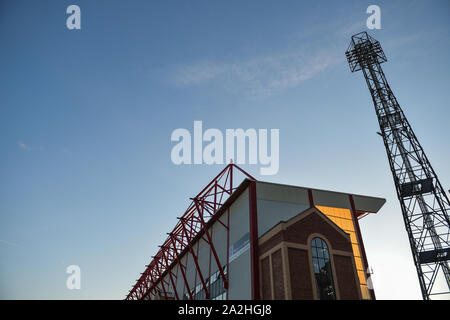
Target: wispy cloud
<point x="23" y="146"/>
<point x="12" y="244"/>
<point x="320" y="48"/>
<point x="198" y="73"/>
<point x="258" y="76"/>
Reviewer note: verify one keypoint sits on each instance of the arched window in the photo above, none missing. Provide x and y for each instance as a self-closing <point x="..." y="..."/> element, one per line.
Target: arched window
<point x="322" y="270"/>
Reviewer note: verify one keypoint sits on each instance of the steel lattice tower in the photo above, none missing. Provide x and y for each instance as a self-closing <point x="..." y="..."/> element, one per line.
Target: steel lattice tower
<point x="423" y="201"/>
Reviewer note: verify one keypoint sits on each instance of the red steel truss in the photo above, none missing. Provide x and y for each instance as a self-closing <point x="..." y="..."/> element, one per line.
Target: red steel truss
<point x="193" y="224"/>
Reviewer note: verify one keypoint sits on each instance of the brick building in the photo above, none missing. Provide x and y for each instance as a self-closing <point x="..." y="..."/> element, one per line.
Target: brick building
<point x="268" y="241"/>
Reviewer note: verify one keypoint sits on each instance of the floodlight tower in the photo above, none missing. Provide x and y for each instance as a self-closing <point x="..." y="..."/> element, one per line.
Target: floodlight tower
<point x="425" y="206"/>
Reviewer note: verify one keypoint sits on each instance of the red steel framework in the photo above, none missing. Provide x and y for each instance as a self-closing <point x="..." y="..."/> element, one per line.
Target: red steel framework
<point x="194" y="224"/>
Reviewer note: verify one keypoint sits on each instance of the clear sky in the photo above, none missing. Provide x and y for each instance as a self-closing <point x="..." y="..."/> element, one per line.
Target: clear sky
<point x="86" y="117"/>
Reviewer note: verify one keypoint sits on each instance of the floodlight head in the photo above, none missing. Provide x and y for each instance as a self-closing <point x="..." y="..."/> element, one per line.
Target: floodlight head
<point x="364" y="51"/>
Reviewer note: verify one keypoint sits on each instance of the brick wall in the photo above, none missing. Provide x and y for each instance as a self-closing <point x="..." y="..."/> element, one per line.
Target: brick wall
<point x="286" y="263"/>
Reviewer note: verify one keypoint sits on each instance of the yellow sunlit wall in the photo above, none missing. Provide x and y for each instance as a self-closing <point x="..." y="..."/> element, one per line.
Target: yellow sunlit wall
<point x="343" y="218"/>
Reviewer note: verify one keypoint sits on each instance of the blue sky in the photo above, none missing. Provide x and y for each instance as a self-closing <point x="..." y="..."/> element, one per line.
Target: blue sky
<point x="86" y="118"/>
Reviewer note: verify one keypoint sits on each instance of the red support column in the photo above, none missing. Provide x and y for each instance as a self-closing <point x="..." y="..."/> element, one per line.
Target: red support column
<point x="254" y="255"/>
<point x="151" y="286"/>
<point x="145" y="285"/>
<point x="195" y="261"/>
<point x="228" y="251"/>
<point x="170" y="275"/>
<point x="181" y="268"/>
<point x="311" y="199"/>
<point x="216" y="257"/>
<point x="161" y="280"/>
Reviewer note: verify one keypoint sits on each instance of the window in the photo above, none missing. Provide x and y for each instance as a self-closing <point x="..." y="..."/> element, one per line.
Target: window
<point x="214" y="285"/>
<point x="343" y="218"/>
<point x="322" y="270"/>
